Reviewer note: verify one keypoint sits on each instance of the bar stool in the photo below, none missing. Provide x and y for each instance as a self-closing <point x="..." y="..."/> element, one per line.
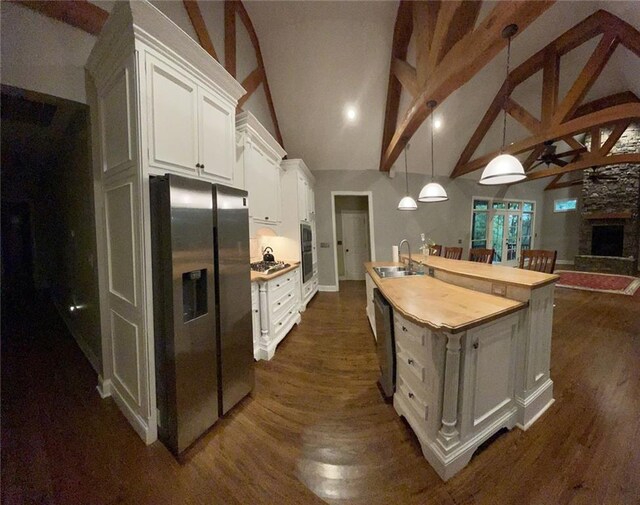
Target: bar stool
<point x="453" y="253"/>
<point x="538" y="260"/>
<point x="481" y="255"/>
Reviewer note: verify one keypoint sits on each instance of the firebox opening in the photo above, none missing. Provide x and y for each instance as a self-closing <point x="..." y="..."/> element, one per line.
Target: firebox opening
<point x="606" y="240"/>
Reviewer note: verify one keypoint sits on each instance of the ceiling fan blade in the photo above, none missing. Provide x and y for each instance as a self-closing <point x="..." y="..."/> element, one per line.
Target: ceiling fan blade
<point x="573" y="152"/>
<point x="560" y="162"/>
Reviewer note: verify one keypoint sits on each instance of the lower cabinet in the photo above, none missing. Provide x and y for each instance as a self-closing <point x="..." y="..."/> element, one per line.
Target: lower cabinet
<point x="309" y="289"/>
<point x="255" y="318"/>
<point x="371" y="311"/>
<point x="279" y="311"/>
<point x="455" y="390"/>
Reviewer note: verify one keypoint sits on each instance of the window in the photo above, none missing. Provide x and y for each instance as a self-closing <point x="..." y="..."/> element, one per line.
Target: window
<point x="506" y="226"/>
<point x="565" y="205"/>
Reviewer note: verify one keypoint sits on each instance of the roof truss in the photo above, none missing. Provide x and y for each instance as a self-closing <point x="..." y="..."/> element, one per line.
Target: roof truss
<point x="563" y="119"/>
<point x="450" y="50"/>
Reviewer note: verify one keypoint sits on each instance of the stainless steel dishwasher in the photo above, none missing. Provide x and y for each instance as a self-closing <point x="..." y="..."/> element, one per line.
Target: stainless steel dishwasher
<point x="385" y="345"/>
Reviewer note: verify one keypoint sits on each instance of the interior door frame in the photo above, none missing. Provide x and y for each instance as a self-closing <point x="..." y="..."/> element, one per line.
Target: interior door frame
<point x="342" y="215"/>
<point x="372" y="241"/>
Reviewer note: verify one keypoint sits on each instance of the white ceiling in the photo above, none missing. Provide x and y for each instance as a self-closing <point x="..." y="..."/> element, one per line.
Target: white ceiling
<point x="323" y="56"/>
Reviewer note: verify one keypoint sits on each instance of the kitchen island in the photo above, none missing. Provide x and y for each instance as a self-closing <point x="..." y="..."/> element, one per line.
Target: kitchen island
<point x="464" y="356"/>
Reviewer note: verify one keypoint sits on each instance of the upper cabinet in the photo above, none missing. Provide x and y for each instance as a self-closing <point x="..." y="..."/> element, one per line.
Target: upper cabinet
<point x="190" y="128"/>
<point x="300" y="193"/>
<point x="258" y="157"/>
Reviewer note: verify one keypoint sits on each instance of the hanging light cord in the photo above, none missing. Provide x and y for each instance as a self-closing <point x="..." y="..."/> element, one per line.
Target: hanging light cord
<point x="406" y="173"/>
<point x="432" y="164"/>
<point x="504" y="101"/>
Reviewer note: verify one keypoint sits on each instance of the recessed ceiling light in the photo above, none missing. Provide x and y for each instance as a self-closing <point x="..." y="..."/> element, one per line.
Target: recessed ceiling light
<point x="437" y="123"/>
<point x="350" y="112"/>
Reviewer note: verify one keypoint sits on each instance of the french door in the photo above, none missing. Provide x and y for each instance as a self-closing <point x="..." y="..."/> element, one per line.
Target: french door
<point x="506" y="226"/>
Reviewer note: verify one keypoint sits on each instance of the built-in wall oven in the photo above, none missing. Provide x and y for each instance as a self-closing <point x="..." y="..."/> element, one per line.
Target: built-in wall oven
<point x="306" y="237"/>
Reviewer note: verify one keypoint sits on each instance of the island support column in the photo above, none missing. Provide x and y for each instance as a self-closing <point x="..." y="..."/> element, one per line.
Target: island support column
<point x="448" y="436"/>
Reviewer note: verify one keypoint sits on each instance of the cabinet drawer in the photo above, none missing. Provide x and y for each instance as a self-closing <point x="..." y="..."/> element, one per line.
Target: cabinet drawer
<point x="284" y="303"/>
<point x="409" y="332"/>
<point x="284" y="322"/>
<point x="413" y="398"/>
<point x="410" y="363"/>
<point x="283" y="283"/>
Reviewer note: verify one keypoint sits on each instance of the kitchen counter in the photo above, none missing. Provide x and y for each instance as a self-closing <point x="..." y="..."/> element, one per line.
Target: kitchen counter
<point x="440" y="305"/>
<point x="260" y="276"/>
<point x="496" y="273"/>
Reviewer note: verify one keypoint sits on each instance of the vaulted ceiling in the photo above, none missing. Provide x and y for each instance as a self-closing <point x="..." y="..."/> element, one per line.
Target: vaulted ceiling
<point x="323" y="56"/>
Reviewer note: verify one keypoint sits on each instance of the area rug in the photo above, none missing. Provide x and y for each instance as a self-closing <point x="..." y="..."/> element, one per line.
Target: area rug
<point x="604" y="283"/>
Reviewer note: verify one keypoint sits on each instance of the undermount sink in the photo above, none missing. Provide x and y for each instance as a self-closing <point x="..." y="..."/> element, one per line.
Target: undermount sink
<point x="386" y="272"/>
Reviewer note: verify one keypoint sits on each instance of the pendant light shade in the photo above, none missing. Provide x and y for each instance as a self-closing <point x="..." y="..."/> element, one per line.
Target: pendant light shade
<point x="432" y="192"/>
<point x="504" y="168"/>
<point x="407" y="203"/>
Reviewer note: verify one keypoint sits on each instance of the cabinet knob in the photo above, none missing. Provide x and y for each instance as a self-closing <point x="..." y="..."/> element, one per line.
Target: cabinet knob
<point x="198" y="165"/>
<point x="475" y="345"/>
<point x="266" y="218"/>
<point x="404" y="328"/>
<point x="277" y="285"/>
<point x="410" y="361"/>
<point x="279" y="303"/>
<point x="410" y="395"/>
<point x="201" y="165"/>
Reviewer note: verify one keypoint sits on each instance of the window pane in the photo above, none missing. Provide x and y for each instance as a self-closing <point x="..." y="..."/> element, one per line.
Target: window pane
<point x="479" y="230"/>
<point x="498" y="237"/>
<point x="526" y="243"/>
<point x="514" y="205"/>
<point x="526" y="224"/>
<point x="565" y="205"/>
<point x="499" y="205"/>
<point x="479" y="243"/>
<point x="481" y="205"/>
<point x="527" y="206"/>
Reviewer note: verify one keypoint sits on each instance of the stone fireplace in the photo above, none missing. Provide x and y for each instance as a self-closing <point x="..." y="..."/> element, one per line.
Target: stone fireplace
<point x="610" y="224"/>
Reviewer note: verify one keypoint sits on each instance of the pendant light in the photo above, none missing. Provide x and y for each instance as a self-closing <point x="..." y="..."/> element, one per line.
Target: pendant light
<point x="504" y="168"/>
<point x="432" y="192"/>
<point x="407" y="203"/>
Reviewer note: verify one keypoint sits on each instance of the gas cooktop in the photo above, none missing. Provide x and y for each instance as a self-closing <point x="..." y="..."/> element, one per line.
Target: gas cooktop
<point x="268" y="267"/>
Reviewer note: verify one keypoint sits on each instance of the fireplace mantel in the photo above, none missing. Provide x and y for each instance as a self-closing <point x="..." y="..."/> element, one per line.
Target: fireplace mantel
<point x="607" y="215"/>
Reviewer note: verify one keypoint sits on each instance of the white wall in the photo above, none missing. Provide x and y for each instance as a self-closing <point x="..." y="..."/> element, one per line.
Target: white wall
<point x="562" y="229"/>
<point x="446" y="223"/>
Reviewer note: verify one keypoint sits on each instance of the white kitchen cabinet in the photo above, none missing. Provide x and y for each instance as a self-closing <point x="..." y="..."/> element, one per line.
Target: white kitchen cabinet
<point x="258" y="157"/>
<point x="191" y="130"/>
<point x="159" y="103"/>
<point x="455" y="390"/>
<point x="370" y="307"/>
<point x="279" y="311"/>
<point x="255" y="318"/>
<point x="298" y="199"/>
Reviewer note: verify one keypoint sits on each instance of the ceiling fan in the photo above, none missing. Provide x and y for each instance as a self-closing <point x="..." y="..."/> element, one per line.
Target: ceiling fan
<point x="549" y="155"/>
<point x="594" y="176"/>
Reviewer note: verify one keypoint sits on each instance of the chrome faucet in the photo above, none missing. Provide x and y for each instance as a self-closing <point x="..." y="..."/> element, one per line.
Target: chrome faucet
<point x="405" y="241"/>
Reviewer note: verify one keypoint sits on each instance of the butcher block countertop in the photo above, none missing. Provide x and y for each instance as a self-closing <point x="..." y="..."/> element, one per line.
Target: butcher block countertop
<point x="484" y="271"/>
<point x="440" y="305"/>
<point x="259" y="276"/>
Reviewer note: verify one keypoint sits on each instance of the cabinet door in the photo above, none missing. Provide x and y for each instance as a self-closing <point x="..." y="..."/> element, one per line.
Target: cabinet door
<point x="216" y="137"/>
<point x="311" y="202"/>
<point x="262" y="181"/>
<point x="303" y="214"/>
<point x="173" y="118"/>
<point x="274" y="203"/>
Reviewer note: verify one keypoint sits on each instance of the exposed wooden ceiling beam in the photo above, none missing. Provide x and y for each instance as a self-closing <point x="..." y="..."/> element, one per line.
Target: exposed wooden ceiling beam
<point x="230" y="37"/>
<point x="462" y="62"/>
<point x="406" y="74"/>
<point x="607" y="101"/>
<point x="401" y="35"/>
<point x="591" y="71"/>
<point x="80" y="14"/>
<point x="246" y="21"/>
<point x="614" y="136"/>
<point x="523" y="116"/>
<point x="554" y="113"/>
<point x="533" y="156"/>
<point x="425" y="17"/>
<point x="250" y="84"/>
<point x="583" y="123"/>
<point x="193" y="10"/>
<point x="581" y="164"/>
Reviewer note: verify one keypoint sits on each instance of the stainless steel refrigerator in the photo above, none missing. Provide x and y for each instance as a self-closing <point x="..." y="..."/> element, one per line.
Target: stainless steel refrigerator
<point x="202" y="305"/>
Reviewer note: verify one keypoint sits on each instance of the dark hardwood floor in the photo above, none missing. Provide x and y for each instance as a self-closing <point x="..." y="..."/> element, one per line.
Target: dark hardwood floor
<point x="315" y="429"/>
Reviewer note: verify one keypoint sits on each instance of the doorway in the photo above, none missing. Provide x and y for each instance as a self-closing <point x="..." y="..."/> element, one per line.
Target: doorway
<point x="353" y="234"/>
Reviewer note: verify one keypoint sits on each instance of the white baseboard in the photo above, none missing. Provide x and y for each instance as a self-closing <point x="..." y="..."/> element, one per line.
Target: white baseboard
<point x="84" y="347"/>
<point x="329" y="289"/>
<point x="104" y="387"/>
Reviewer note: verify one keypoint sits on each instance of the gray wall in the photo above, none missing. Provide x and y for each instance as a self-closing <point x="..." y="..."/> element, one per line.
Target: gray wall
<point x="562" y="229"/>
<point x="446" y="222"/>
